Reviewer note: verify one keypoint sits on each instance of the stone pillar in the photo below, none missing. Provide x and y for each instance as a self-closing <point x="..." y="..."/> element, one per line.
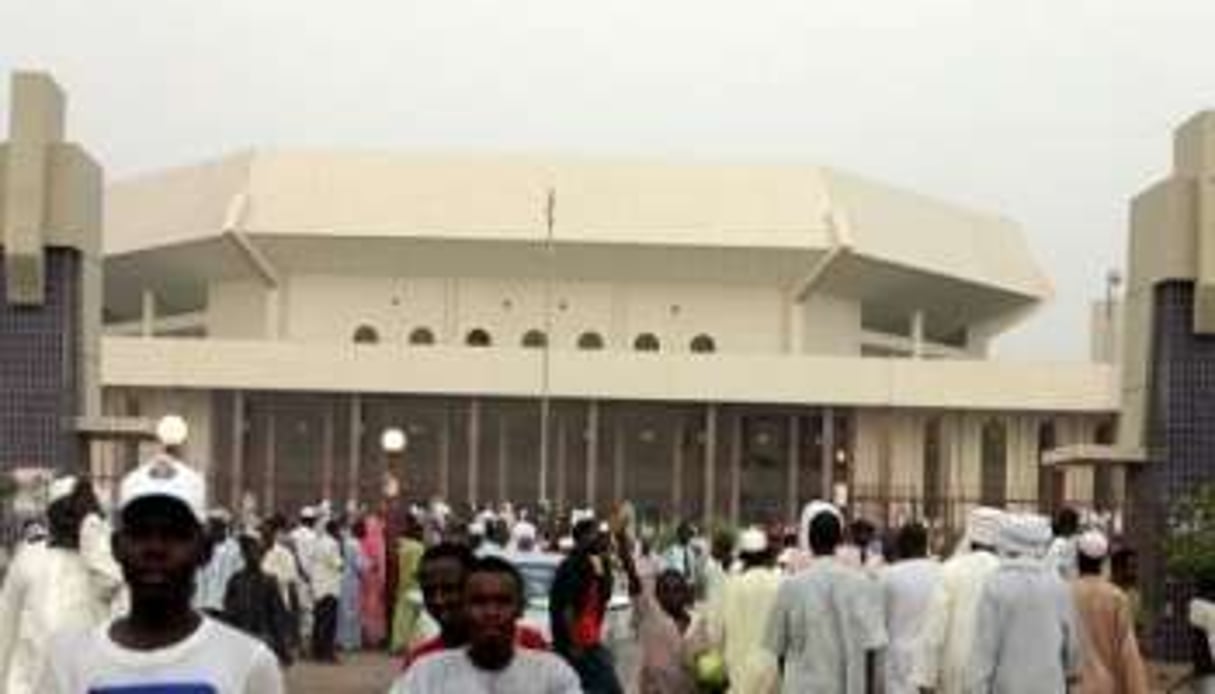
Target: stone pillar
<point x="327" y="440"/>
<point x="237" y="481"/>
<point x="827" y="451"/>
<point x="736" y="452"/>
<point x="270" y="460"/>
<point x="474" y="450"/>
<point x="793" y="473"/>
<point x="592" y="451"/>
<point x="354" y="449"/>
<point x="710" y="463"/>
<point x="677" y="466"/>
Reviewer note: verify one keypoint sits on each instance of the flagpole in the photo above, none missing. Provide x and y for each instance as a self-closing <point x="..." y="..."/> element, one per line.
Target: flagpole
<point x="546" y="356"/>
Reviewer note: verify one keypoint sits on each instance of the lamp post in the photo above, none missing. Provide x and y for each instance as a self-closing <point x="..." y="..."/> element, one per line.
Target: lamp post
<point x="393" y="443"/>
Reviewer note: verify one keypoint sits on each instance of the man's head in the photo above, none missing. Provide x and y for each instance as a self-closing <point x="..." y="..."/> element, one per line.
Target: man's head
<point x="586" y="535"/>
<point x="493" y="603"/>
<point x="983" y="528"/>
<point x="1092" y="548"/>
<point x="673" y="593"/>
<point x="160" y="540"/>
<point x="71" y="500"/>
<point x="1066" y="523"/>
<point x="684" y="533"/>
<point x="1024" y="535"/>
<point x="825" y="534"/>
<point x="862" y="532"/>
<point x="497" y="531"/>
<point x="722" y="547"/>
<point x="251" y="548"/>
<point x="912" y="541"/>
<point x="441" y="575"/>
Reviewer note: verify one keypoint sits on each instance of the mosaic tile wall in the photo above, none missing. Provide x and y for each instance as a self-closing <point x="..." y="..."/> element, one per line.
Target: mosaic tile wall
<point x="1181" y="450"/>
<point x="39" y="363"/>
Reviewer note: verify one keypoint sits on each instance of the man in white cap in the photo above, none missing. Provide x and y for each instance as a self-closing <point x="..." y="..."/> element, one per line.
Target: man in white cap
<point x="907" y="587"/>
<point x="161" y="644"/>
<point x="826" y="623"/>
<point x="1112" y="662"/>
<point x="1026" y="639"/>
<point x="947" y="630"/>
<point x="739" y="612"/>
<point x="50" y="587"/>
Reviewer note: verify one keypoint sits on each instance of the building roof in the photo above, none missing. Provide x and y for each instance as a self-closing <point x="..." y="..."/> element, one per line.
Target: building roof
<point x="750" y="223"/>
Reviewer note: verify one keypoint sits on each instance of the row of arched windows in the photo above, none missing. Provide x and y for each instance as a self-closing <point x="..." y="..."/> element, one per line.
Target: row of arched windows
<point x="537" y="339"/>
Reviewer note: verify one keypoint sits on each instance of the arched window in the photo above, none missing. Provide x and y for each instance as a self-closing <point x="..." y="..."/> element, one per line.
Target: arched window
<point x="703" y="344"/>
<point x="478" y="338"/>
<point x="422" y="336"/>
<point x="994" y="461"/>
<point x="647" y="342"/>
<point x="590" y="341"/>
<point x="535" y="339"/>
<point x="366" y="335"/>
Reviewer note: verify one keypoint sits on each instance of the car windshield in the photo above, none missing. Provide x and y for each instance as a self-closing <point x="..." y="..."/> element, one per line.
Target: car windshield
<point x="537" y="578"/>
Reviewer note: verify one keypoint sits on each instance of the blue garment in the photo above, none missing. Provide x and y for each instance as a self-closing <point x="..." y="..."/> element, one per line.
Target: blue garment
<point x="349" y="628"/>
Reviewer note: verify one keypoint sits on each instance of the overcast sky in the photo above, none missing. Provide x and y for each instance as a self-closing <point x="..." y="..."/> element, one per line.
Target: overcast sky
<point x="1052" y="112"/>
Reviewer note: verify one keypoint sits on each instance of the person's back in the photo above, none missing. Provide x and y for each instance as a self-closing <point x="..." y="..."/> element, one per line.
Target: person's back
<point x="745" y="606"/>
<point x="948" y="631"/>
<point x="1112" y="662"/>
<point x="823" y="622"/>
<point x="1025" y="643"/>
<point x="253" y="604"/>
<point x="908" y="587"/>
<point x="47" y="590"/>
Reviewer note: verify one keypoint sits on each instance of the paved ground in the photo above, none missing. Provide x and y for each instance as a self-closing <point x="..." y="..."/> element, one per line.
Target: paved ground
<point x="357" y="674"/>
<point x="372" y="674"/>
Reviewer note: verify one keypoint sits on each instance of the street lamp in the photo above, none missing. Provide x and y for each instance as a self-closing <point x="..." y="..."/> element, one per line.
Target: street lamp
<point x="172" y="432"/>
<point x="393" y="442"/>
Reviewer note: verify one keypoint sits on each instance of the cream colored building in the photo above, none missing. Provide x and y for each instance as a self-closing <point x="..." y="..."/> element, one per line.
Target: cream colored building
<point x="709" y="340"/>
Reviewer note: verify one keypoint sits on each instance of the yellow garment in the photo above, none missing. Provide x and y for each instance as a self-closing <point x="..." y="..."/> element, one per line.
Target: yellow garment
<point x="737" y="619"/>
<point x="406" y="610"/>
<point x="948" y="630"/>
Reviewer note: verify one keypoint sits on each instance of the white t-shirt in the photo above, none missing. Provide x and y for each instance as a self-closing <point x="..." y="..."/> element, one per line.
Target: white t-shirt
<point x="529" y="672"/>
<point x="215" y="659"/>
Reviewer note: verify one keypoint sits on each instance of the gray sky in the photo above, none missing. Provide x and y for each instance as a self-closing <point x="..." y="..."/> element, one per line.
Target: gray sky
<point x="1051" y="112"/>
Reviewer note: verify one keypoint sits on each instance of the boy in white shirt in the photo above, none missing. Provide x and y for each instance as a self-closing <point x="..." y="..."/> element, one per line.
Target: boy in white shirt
<point x="162" y="644"/>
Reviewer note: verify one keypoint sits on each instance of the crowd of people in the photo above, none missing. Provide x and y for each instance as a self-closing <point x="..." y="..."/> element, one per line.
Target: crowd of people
<point x="177" y="595"/>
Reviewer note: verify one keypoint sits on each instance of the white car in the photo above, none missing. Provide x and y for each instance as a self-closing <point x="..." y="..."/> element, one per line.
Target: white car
<point x="539" y="570"/>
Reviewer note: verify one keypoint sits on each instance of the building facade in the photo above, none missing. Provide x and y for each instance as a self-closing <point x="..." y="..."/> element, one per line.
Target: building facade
<point x="704" y="340"/>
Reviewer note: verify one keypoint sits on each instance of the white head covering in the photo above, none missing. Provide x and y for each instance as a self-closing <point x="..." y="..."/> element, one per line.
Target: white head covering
<point x="477" y="528"/>
<point x="61" y="488"/>
<point x="523" y="531"/>
<point x="809" y="512"/>
<point x="167" y="478"/>
<point x="1093" y="544"/>
<point x="752" y="541"/>
<point x="1024" y="534"/>
<point x="983" y="525"/>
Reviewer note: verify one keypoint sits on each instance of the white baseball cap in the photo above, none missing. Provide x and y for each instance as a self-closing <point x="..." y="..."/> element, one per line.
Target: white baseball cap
<point x="1093" y="544"/>
<point x="165" y="477"/>
<point x="752" y="541"/>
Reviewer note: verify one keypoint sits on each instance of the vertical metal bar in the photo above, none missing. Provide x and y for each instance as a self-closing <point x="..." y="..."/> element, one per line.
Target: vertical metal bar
<point x="592" y="452"/>
<point x="474" y="449"/>
<point x="792" y="473"/>
<point x="710" y="460"/>
<point x="355" y="449"/>
<point x="546" y="353"/>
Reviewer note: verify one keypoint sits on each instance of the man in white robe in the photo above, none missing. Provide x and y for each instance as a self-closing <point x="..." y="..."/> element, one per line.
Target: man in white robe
<point x="826" y="624"/>
<point x="1027" y="639"/>
<point x="53" y="587"/>
<point x="907" y="586"/>
<point x="943" y="647"/>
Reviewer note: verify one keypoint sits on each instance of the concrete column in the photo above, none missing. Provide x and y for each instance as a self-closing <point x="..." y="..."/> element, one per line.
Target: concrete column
<point x="736" y="452"/>
<point x="271" y="458"/>
<point x="562" y="461"/>
<point x="710" y="463"/>
<point x="445" y="454"/>
<point x="592" y="451"/>
<point x="503" y="448"/>
<point x="827" y="452"/>
<point x="474" y="449"/>
<point x="327" y="436"/>
<point x="618" y="462"/>
<point x="792" y="474"/>
<point x="917" y="335"/>
<point x="147" y="315"/>
<point x="236" y="483"/>
<point x="677" y="467"/>
<point x="354" y="451"/>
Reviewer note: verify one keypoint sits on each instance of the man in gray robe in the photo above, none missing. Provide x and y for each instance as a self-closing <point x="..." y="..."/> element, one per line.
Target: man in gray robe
<point x="1026" y="635"/>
